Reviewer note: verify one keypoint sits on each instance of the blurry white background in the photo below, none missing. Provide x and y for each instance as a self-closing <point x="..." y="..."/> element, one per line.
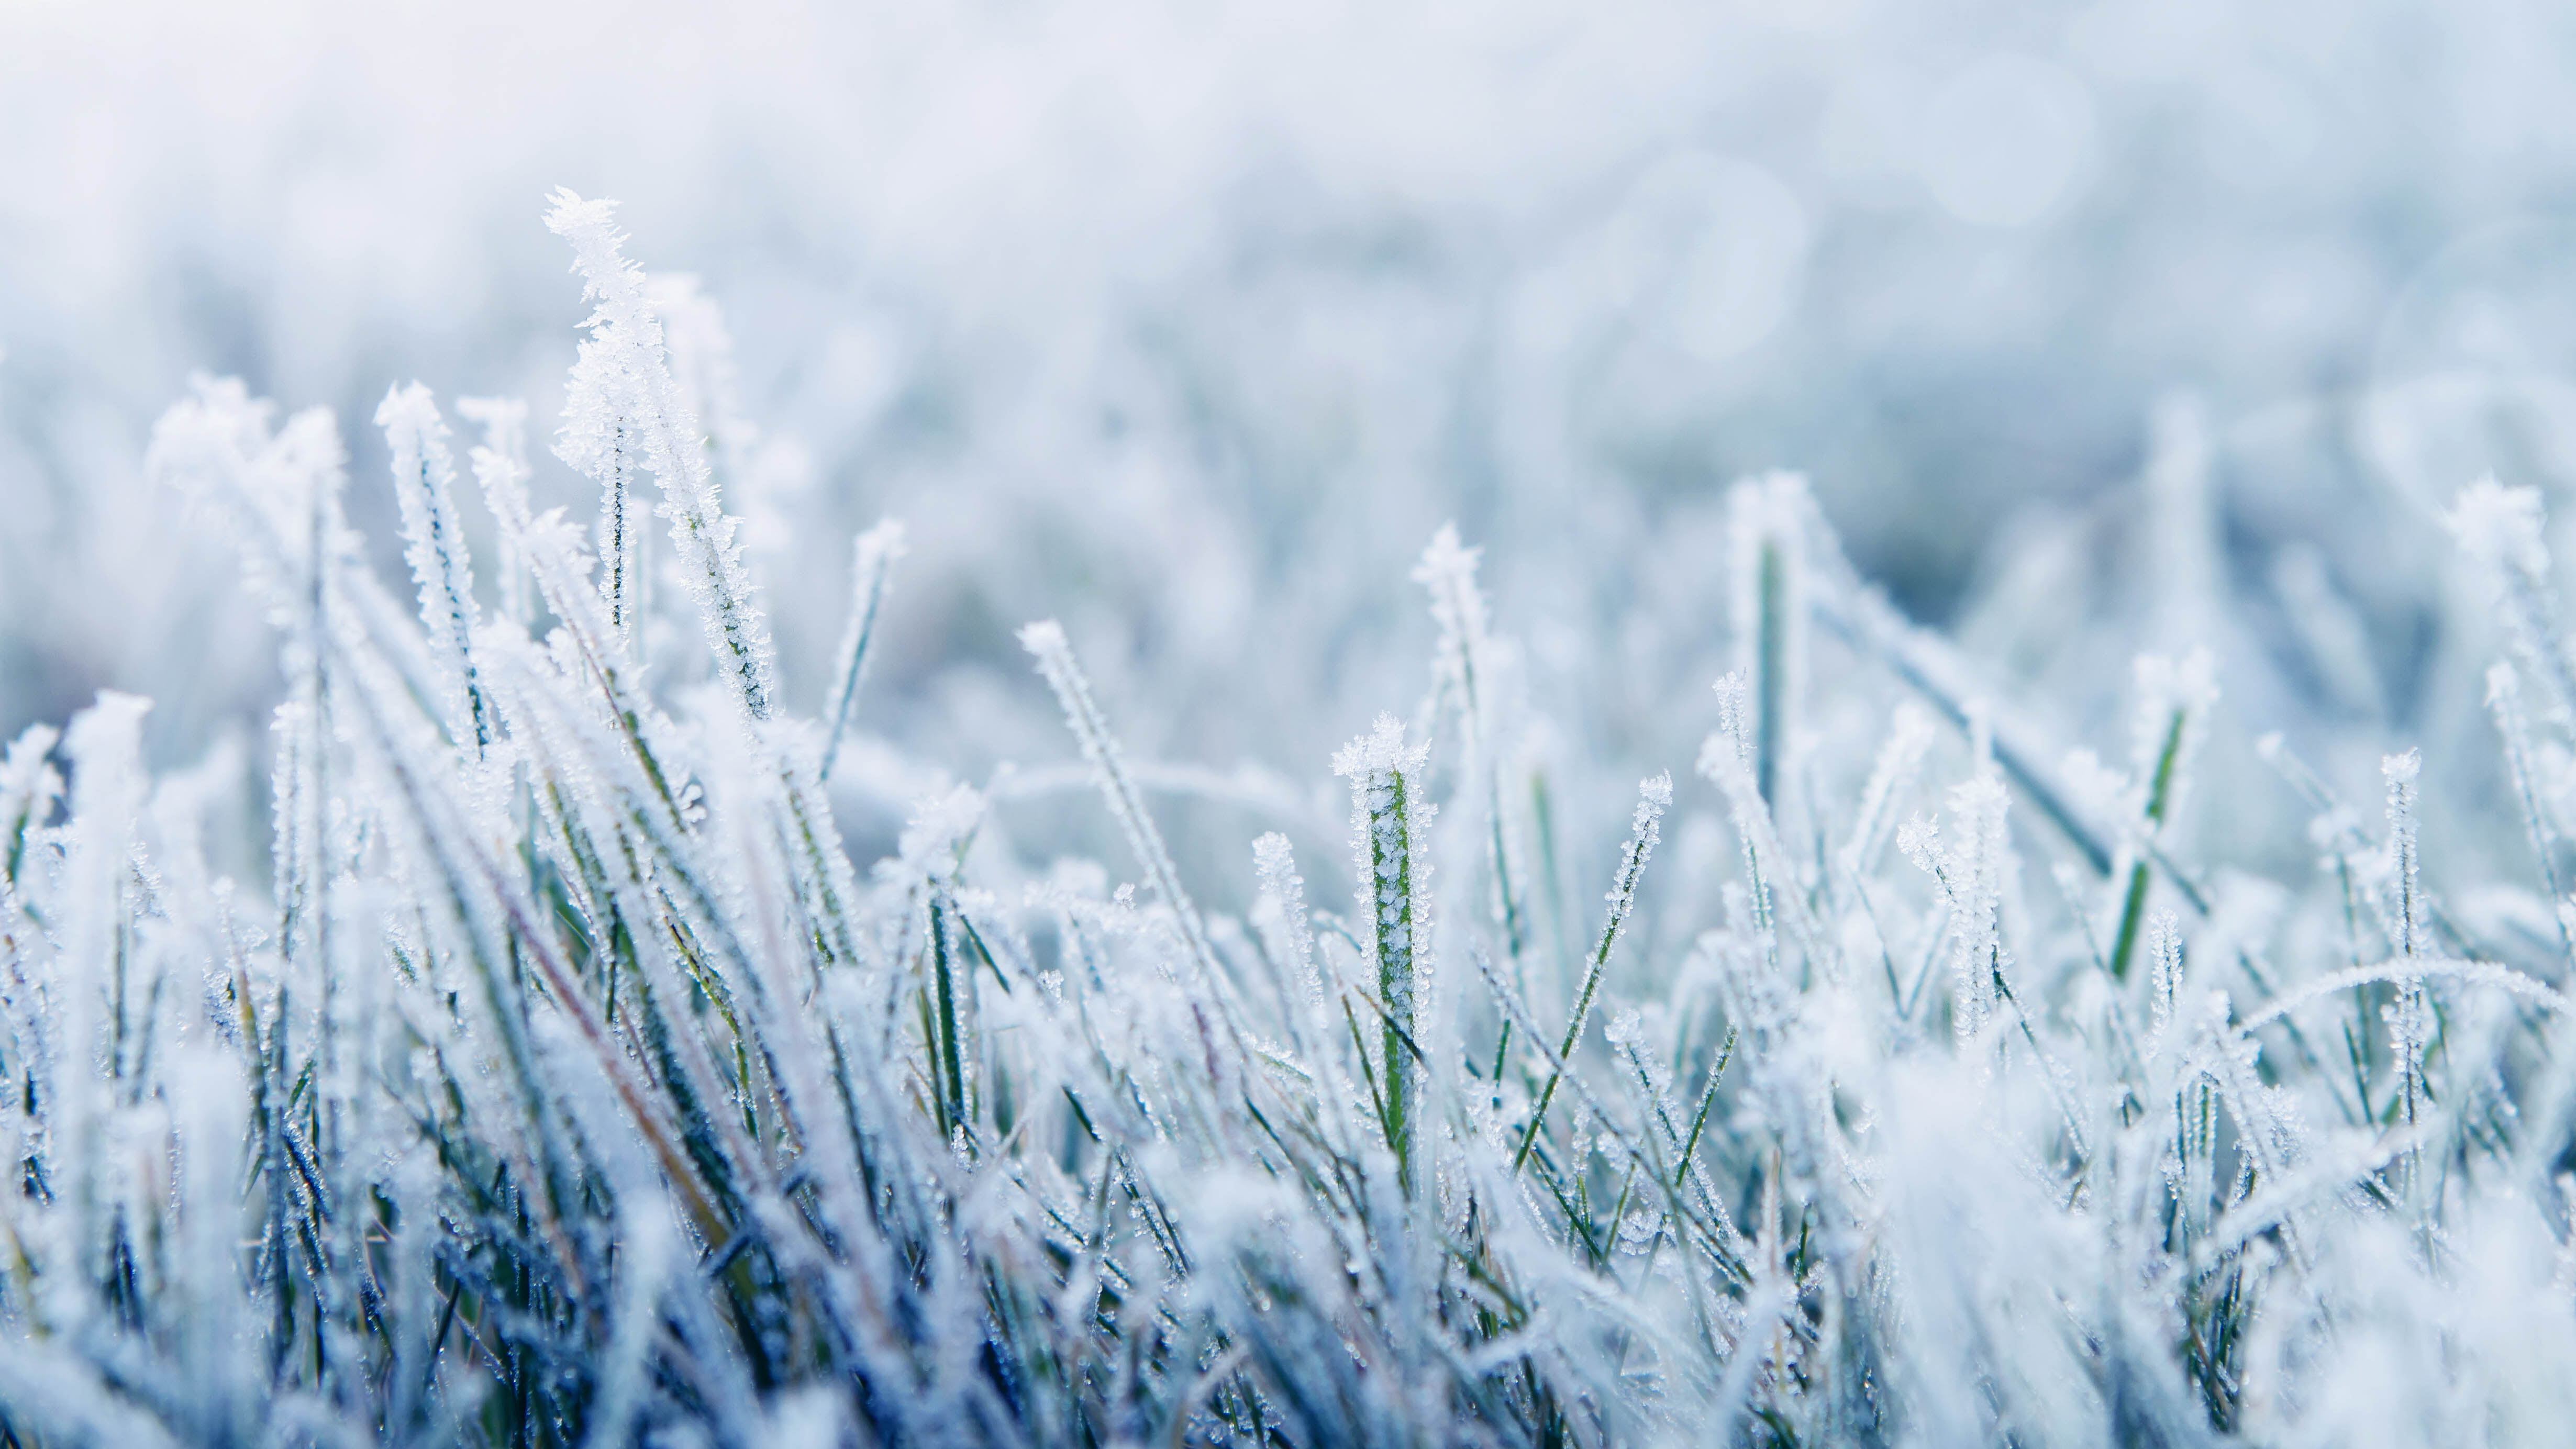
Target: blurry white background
<point x="1189" y="323"/>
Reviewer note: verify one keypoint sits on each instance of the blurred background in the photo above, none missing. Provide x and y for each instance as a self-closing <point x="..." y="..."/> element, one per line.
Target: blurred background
<point x="2097" y="328"/>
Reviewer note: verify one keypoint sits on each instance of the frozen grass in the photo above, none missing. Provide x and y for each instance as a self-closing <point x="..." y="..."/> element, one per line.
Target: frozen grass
<point x="567" y="1083"/>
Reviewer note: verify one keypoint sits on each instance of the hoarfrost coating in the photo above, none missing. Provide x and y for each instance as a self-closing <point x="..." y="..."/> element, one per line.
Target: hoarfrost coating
<point x="671" y="985"/>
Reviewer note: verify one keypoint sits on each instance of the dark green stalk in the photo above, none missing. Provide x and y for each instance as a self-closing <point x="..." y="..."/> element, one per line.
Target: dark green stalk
<point x="2133" y="909"/>
<point x="951" y="1068"/>
<point x="1707" y="1099"/>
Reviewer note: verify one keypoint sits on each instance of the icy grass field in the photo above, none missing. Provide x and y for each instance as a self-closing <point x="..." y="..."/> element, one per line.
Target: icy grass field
<point x="1908" y="1073"/>
<point x="598" y="939"/>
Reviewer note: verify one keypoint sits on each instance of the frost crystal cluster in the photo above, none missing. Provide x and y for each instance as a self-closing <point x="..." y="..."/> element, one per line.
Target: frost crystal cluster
<point x="568" y="1074"/>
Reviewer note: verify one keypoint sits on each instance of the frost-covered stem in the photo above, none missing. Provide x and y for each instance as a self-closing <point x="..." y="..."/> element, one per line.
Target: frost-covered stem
<point x="873" y="564"/>
<point x="1045" y="642"/>
<point x="702" y="366"/>
<point x="1771" y="715"/>
<point x="2409" y="1018"/>
<point x="1390" y="861"/>
<point x="324" y="804"/>
<point x="1293" y="943"/>
<point x="1931" y="667"/>
<point x="1645" y="828"/>
<point x="2400" y="772"/>
<point x="2165" y="962"/>
<point x="621" y="554"/>
<point x="1383" y="811"/>
<point x="2133" y="904"/>
<point x="1448" y="572"/>
<point x="934" y="846"/>
<point x="954" y="1110"/>
<point x="104" y="746"/>
<point x="2176" y="699"/>
<point x="504" y="422"/>
<point x="28" y="788"/>
<point x="305" y="806"/>
<point x="2502" y="529"/>
<point x="434" y="545"/>
<point x="1770" y="614"/>
<point x="1890" y="775"/>
<point x="2504" y="701"/>
<point x="622" y="404"/>
<point x="301" y="794"/>
<point x="1699" y="1119"/>
<point x="1725" y="761"/>
<point x="1971" y="876"/>
<point x="1977" y="883"/>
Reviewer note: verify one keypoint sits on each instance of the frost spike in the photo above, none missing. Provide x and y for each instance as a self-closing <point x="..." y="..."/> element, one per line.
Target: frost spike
<point x="504" y="421"/>
<point x="1046" y="643"/>
<point x="622" y="401"/>
<point x="434" y="545"/>
<point x="873" y="558"/>
<point x="1465" y="662"/>
<point x="1276" y="861"/>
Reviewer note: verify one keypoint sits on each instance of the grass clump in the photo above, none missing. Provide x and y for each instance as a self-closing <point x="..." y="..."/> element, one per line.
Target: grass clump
<point x="569" y="1083"/>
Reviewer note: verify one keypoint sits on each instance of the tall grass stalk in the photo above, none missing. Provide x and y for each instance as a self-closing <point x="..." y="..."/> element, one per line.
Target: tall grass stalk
<point x="872" y="563"/>
<point x="2172" y="720"/>
<point x="1653" y="798"/>
<point x="1389" y="827"/>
